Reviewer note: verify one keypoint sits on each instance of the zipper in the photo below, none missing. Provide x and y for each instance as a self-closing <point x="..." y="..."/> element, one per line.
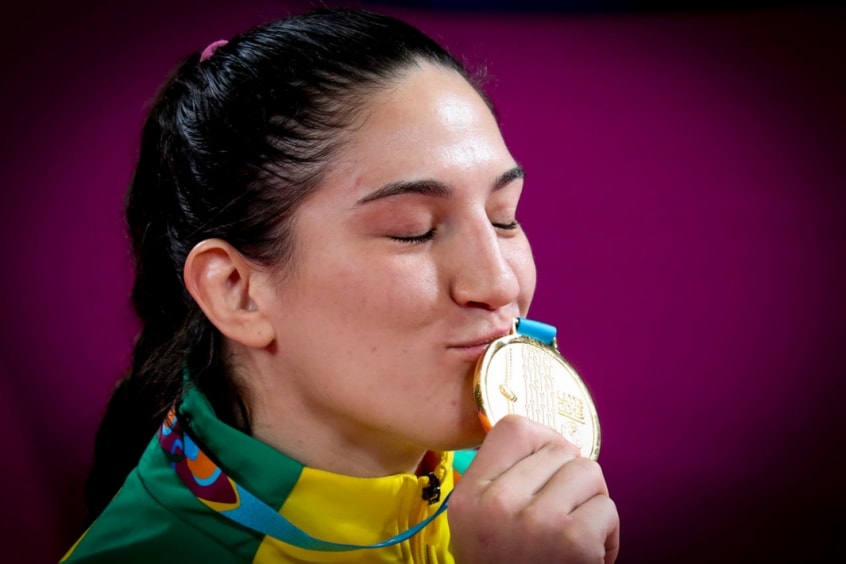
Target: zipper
<point x="432" y="492"/>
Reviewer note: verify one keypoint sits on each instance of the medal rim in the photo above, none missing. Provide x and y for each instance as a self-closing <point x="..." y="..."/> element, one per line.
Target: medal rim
<point x="480" y="384"/>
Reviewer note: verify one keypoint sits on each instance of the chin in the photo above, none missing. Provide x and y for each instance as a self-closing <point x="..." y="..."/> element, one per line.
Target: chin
<point x="468" y="436"/>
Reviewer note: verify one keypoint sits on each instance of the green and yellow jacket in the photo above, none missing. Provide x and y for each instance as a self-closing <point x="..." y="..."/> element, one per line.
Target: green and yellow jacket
<point x="160" y="517"/>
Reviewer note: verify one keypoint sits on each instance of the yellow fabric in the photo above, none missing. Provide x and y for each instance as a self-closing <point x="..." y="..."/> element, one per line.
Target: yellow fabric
<point x="364" y="511"/>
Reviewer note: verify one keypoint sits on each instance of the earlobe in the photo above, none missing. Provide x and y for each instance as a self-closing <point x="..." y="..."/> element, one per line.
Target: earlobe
<point x="222" y="282"/>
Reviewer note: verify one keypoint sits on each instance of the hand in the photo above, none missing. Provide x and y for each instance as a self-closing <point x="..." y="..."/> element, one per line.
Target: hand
<point x="529" y="496"/>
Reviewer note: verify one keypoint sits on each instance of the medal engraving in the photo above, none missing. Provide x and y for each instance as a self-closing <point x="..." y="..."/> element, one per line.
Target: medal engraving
<point x="520" y="375"/>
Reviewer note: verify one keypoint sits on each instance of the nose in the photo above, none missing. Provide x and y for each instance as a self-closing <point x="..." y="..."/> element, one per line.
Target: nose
<point x="483" y="274"/>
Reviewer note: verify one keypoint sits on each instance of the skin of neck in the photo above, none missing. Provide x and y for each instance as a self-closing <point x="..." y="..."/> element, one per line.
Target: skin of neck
<point x="282" y="419"/>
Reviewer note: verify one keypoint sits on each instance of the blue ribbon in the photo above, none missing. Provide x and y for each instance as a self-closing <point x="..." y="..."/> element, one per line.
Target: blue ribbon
<point x="536" y="330"/>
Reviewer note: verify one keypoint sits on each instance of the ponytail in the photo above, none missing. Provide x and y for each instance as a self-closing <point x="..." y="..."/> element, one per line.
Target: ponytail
<point x="174" y="333"/>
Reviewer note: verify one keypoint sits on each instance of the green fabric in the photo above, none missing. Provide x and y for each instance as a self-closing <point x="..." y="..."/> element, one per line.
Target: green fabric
<point x="155" y="518"/>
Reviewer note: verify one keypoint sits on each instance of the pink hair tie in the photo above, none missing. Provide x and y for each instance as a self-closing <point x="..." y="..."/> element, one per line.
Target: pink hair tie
<point x="212" y="47"/>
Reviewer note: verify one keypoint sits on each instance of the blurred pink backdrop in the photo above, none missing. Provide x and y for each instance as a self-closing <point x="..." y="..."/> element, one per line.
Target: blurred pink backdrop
<point x="686" y="200"/>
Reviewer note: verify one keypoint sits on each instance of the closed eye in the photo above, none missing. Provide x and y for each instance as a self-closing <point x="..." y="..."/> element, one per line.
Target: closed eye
<point x="412" y="239"/>
<point x="507" y="226"/>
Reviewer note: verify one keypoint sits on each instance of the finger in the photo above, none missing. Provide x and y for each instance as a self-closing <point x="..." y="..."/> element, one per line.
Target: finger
<point x="572" y="485"/>
<point x="601" y="522"/>
<point x="530" y="476"/>
<point x="511" y="440"/>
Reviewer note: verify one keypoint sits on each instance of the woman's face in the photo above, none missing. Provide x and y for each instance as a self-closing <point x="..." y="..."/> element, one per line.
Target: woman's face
<point x="407" y="262"/>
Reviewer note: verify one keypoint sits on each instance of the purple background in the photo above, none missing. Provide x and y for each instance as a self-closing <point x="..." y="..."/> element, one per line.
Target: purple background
<point x="686" y="199"/>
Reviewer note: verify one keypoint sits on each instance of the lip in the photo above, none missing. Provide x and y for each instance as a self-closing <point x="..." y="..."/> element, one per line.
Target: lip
<point x="475" y="347"/>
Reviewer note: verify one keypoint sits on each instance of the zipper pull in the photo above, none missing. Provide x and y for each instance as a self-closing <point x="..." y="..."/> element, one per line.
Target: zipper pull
<point x="432" y="492"/>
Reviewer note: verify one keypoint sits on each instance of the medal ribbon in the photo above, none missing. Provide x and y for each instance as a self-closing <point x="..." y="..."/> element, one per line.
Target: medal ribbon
<point x="210" y="484"/>
<point x="542" y="332"/>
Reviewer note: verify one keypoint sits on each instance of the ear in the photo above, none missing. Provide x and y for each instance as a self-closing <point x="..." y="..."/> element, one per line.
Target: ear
<point x="222" y="282"/>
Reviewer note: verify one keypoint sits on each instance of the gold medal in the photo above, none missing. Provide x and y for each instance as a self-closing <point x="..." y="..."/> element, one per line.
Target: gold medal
<point x="522" y="375"/>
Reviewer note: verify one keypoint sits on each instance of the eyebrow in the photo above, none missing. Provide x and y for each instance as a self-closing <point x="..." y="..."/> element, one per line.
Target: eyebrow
<point x="433" y="187"/>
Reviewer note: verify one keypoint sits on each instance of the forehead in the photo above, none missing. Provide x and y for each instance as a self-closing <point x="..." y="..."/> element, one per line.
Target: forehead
<point x="428" y="124"/>
<point x="428" y="91"/>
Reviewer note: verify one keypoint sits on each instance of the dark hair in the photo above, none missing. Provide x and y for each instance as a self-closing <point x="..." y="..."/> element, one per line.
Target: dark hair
<point x="231" y="147"/>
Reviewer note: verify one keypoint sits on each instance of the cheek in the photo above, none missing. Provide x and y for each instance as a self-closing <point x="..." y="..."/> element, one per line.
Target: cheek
<point x="382" y="288"/>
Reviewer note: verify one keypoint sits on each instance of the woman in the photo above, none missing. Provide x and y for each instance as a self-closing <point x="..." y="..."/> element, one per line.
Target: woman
<point x="323" y="216"/>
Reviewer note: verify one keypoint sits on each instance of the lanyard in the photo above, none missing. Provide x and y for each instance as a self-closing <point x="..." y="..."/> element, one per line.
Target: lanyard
<point x="215" y="489"/>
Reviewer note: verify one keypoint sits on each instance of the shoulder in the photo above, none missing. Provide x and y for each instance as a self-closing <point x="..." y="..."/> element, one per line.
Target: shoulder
<point x="155" y="518"/>
<point x="136" y="528"/>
